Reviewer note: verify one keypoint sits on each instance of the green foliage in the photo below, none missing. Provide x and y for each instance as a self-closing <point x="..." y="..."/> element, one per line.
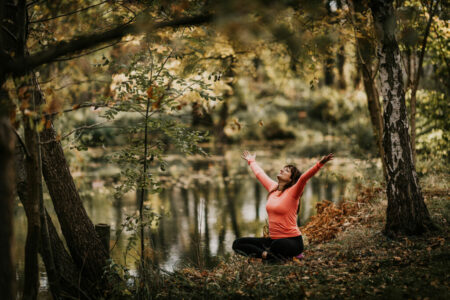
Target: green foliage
<point x="122" y="284"/>
<point x="149" y="94"/>
<point x="433" y="136"/>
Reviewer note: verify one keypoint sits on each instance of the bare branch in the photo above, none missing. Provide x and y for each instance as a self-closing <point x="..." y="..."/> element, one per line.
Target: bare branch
<point x="75" y="130"/>
<point x="9" y="32"/>
<point x="76" y="107"/>
<point x="67" y="14"/>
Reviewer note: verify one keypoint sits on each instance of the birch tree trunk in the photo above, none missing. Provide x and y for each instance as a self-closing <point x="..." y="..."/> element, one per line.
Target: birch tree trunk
<point x="406" y="211"/>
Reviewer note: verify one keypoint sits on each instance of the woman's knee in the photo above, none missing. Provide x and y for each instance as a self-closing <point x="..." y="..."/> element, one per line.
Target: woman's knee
<point x="236" y="244"/>
<point x="285" y="248"/>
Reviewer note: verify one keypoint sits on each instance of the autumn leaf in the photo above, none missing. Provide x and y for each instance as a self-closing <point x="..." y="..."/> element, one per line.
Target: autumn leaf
<point x="24" y="94"/>
<point x="238" y="125"/>
<point x="76" y="106"/>
<point x="48" y="124"/>
<point x="53" y="106"/>
<point x="24" y="105"/>
<point x="157" y="104"/>
<point x="49" y="91"/>
<point x="261" y="123"/>
<point x="150" y="92"/>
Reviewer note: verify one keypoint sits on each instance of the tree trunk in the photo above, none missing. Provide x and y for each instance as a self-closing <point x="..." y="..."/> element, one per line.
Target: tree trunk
<point x="340" y="67"/>
<point x="33" y="173"/>
<point x="365" y="54"/>
<point x="406" y="211"/>
<point x="84" y="245"/>
<point x="66" y="274"/>
<point x="415" y="83"/>
<point x="328" y="70"/>
<point x="8" y="274"/>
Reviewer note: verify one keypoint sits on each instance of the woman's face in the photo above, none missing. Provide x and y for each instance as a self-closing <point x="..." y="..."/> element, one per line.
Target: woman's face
<point x="284" y="175"/>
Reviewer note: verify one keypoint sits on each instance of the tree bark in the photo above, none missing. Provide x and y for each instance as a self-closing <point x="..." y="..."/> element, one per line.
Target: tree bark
<point x="33" y="173"/>
<point x="84" y="245"/>
<point x="365" y="54"/>
<point x="66" y="274"/>
<point x="7" y="270"/>
<point x="406" y="211"/>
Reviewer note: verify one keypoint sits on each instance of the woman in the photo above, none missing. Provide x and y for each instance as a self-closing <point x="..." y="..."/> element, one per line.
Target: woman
<point x="285" y="239"/>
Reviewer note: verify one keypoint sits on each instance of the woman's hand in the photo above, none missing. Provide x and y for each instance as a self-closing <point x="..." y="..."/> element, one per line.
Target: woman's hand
<point x="248" y="156"/>
<point x="327" y="158"/>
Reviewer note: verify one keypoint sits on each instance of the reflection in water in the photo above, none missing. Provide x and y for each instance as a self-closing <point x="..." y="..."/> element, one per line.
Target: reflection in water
<point x="204" y="208"/>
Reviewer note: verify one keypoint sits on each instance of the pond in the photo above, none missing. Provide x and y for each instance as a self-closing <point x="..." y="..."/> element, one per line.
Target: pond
<point x="206" y="203"/>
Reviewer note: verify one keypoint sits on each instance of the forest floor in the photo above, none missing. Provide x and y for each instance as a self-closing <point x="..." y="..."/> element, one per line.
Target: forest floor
<point x="347" y="256"/>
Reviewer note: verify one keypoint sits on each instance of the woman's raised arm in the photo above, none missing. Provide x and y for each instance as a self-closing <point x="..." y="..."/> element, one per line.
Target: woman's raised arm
<point x="265" y="180"/>
<point x="299" y="185"/>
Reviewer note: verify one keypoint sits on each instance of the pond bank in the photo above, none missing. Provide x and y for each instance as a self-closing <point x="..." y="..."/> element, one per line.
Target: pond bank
<point x="359" y="262"/>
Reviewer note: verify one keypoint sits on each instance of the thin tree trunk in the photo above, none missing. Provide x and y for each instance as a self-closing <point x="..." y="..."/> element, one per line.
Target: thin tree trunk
<point x="7" y="270"/>
<point x="406" y="211"/>
<point x="365" y="54"/>
<point x="415" y="82"/>
<point x="328" y="70"/>
<point x="45" y="245"/>
<point x="340" y="67"/>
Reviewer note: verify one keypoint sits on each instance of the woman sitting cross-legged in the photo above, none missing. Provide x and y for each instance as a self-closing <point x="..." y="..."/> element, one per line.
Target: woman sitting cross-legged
<point x="285" y="239"/>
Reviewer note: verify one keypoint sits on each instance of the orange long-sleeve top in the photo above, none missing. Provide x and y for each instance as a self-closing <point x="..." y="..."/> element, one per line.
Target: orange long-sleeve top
<point x="281" y="207"/>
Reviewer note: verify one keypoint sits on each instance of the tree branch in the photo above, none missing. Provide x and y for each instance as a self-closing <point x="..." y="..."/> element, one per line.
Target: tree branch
<point x="87" y="53"/>
<point x="68" y="14"/>
<point x="73" y="131"/>
<point x="21" y="65"/>
<point x="431" y="11"/>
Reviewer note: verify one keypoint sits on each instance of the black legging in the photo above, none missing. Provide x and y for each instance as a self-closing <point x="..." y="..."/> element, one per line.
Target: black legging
<point x="276" y="249"/>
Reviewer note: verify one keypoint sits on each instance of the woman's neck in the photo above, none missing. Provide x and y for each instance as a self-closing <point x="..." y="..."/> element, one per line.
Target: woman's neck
<point x="281" y="185"/>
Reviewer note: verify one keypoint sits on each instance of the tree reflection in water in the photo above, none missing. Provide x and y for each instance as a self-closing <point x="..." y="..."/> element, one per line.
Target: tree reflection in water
<point x="211" y="202"/>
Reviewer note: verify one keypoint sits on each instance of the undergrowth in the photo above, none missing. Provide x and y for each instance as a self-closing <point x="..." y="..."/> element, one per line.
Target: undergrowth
<point x="346" y="257"/>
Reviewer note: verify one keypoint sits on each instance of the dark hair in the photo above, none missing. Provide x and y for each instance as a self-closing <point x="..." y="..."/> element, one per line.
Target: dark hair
<point x="295" y="175"/>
